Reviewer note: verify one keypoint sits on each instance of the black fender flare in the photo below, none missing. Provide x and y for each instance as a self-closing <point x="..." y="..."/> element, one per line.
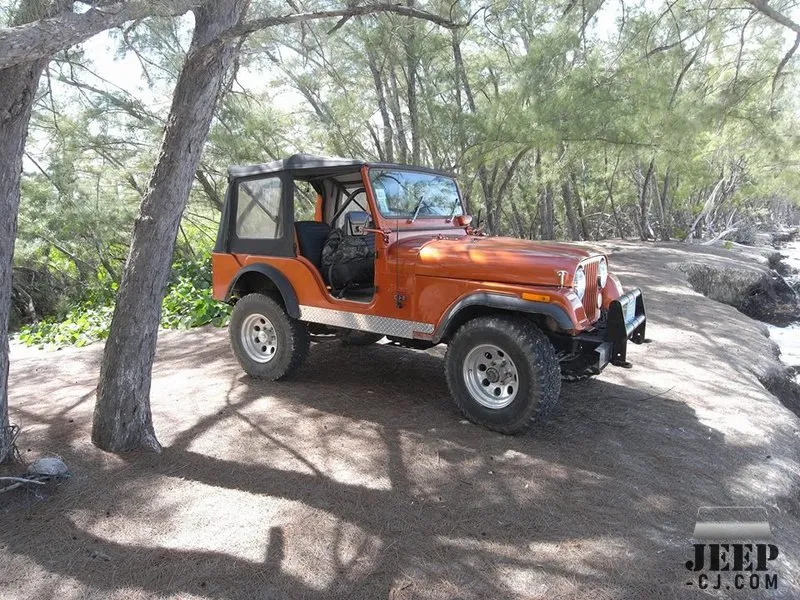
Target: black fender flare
<point x="278" y="279"/>
<point x="502" y="302"/>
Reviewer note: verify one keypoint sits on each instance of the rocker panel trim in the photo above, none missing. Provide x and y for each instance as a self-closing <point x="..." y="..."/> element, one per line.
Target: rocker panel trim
<point x="360" y="322"/>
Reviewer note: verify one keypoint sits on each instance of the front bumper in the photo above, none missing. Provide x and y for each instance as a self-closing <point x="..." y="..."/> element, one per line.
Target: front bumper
<point x="625" y="320"/>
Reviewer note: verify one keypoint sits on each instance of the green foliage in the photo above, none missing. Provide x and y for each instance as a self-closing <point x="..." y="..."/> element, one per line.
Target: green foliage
<point x="82" y="325"/>
<point x="188" y="303"/>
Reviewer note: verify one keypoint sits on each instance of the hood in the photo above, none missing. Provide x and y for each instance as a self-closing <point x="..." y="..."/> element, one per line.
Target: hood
<point x="499" y="259"/>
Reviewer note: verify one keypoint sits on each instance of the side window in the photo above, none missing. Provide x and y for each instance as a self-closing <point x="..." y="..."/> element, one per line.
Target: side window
<point x="258" y="210"/>
<point x="305" y="201"/>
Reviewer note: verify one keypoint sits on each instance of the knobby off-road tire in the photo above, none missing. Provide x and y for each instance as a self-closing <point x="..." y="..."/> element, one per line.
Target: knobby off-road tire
<point x="480" y="358"/>
<point x="352" y="337"/>
<point x="267" y="342"/>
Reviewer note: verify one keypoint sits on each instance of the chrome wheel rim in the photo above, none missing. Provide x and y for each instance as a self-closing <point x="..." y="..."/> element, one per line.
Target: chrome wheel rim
<point x="491" y="376"/>
<point x="259" y="340"/>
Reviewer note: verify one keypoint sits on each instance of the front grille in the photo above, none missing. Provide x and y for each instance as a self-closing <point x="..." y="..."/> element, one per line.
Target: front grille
<point x="590" y="297"/>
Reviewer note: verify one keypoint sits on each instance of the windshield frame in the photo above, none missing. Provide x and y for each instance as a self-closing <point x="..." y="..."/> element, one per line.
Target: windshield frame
<point x="447" y="219"/>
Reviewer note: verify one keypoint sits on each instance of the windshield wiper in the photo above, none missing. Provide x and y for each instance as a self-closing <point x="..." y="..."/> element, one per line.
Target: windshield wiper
<point x="420" y="202"/>
<point x="456" y="204"/>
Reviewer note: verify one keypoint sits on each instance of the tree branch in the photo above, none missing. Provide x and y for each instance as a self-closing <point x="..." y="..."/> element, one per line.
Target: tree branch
<point x="787" y="57"/>
<point x="209" y="189"/>
<point x="254" y="25"/>
<point x="777" y="16"/>
<point x="43" y="38"/>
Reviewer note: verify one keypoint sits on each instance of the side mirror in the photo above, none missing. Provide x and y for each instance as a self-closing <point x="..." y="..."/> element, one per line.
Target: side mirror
<point x="463" y="220"/>
<point x="357" y="222"/>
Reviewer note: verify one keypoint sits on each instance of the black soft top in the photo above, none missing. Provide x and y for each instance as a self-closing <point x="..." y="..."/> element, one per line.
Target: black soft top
<point x="310" y="165"/>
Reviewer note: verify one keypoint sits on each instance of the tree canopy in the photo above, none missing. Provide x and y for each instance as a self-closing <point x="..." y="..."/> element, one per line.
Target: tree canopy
<point x="561" y="119"/>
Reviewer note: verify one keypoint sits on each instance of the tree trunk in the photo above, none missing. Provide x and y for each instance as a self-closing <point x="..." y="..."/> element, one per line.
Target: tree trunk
<point x="488" y="202"/>
<point x="411" y="86"/>
<point x="644" y="226"/>
<point x="547" y="213"/>
<point x="569" y="208"/>
<point x="122" y="418"/>
<point x="461" y="73"/>
<point x="610" y="188"/>
<point x="462" y="81"/>
<point x="462" y="138"/>
<point x="394" y="105"/>
<point x="18" y="84"/>
<point x="517" y="222"/>
<point x="581" y="211"/>
<point x="666" y="209"/>
<point x="620" y="231"/>
<point x="377" y="78"/>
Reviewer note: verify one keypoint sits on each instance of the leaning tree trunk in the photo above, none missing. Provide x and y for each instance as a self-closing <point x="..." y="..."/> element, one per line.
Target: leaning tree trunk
<point x="18" y="85"/>
<point x="122" y="418"/>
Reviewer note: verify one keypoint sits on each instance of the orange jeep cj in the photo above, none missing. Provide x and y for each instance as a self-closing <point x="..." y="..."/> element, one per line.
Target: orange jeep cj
<point x="390" y="252"/>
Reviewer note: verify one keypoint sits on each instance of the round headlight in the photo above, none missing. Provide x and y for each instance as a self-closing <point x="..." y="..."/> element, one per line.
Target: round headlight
<point x="579" y="282"/>
<point x="602" y="272"/>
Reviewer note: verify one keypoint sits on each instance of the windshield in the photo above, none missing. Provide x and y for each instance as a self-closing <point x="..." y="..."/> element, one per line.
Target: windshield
<point x="406" y="194"/>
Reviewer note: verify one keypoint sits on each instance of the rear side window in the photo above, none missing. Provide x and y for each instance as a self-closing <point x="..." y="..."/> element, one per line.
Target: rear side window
<point x="258" y="209"/>
<point x="305" y="201"/>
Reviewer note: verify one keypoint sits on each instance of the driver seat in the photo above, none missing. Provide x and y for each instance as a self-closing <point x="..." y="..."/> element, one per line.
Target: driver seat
<point x="311" y="238"/>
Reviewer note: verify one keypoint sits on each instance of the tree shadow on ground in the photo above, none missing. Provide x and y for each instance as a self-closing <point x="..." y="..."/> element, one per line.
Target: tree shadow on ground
<point x="365" y="482"/>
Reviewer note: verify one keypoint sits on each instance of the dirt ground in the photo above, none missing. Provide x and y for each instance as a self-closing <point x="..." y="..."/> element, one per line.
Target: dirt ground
<point x="359" y="479"/>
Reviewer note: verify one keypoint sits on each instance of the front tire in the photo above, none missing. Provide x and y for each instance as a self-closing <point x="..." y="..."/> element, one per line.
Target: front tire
<point x="503" y="373"/>
<point x="267" y="342"/>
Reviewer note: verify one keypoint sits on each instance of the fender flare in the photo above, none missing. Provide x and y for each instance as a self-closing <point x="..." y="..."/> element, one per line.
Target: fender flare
<point x="502" y="302"/>
<point x="277" y="278"/>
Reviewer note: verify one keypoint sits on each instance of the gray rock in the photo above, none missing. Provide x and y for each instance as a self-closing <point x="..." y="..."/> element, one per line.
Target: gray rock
<point x="51" y="466"/>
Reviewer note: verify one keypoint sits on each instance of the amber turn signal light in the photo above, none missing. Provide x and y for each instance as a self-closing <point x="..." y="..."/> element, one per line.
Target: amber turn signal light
<point x="535" y="297"/>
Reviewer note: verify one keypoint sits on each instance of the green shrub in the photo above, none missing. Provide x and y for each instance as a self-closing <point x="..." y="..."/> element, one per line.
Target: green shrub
<point x="188" y="303"/>
<point x="82" y="325"/>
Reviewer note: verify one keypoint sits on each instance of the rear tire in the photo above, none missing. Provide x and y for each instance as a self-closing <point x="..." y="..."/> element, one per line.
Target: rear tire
<point x="503" y="373"/>
<point x="267" y="342"/>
